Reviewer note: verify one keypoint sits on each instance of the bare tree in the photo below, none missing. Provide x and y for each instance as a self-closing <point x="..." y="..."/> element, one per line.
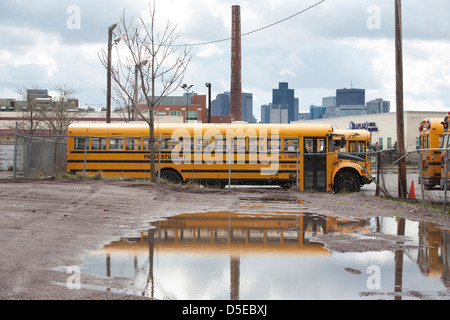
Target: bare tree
<point x="156" y="61"/>
<point x="50" y="115"/>
<point x="62" y="111"/>
<point x="30" y="122"/>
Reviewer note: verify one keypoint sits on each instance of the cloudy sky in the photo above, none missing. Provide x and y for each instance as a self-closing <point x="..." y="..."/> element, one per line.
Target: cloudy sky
<point x="334" y="45"/>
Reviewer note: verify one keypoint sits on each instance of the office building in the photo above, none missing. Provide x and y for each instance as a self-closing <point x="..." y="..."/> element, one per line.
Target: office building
<point x="317" y="112"/>
<point x="265" y="113"/>
<point x="247" y="108"/>
<point x="278" y="114"/>
<point x="283" y="97"/>
<point x="378" y="106"/>
<point x="348" y="97"/>
<point x="329" y="102"/>
<point x="221" y="105"/>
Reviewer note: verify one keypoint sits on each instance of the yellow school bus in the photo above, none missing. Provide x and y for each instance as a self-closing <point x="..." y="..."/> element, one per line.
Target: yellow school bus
<point x="445" y="156"/>
<point x="237" y="153"/>
<point x="430" y="137"/>
<point x="355" y="142"/>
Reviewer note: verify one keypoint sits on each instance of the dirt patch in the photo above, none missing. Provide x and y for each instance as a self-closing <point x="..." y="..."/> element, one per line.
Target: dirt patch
<point x="51" y="223"/>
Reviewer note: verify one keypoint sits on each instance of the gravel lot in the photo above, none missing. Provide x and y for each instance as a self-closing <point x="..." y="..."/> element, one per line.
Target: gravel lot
<point x="51" y="223"/>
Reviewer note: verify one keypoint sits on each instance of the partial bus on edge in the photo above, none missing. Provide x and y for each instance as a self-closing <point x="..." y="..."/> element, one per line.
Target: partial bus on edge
<point x="445" y="156"/>
<point x="430" y="137"/>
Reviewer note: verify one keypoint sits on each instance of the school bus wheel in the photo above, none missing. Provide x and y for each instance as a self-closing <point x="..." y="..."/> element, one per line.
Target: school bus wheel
<point x="171" y="176"/>
<point x="347" y="181"/>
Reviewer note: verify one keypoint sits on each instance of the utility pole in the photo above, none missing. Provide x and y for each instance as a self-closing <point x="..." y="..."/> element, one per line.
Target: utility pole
<point x="108" y="83"/>
<point x="399" y="99"/>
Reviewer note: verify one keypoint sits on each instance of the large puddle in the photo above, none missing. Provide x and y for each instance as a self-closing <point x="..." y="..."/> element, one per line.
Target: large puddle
<point x="259" y="252"/>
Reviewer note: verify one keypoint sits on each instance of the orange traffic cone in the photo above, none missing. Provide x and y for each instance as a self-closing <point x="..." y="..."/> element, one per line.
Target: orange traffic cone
<point x="412" y="193"/>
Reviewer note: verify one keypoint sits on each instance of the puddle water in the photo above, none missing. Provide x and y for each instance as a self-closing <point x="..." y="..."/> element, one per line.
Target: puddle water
<point x="261" y="253"/>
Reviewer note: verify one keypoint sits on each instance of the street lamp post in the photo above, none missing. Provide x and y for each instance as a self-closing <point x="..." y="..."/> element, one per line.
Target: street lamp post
<point x="208" y="85"/>
<point x="108" y="83"/>
<point x="136" y="86"/>
<point x="186" y="88"/>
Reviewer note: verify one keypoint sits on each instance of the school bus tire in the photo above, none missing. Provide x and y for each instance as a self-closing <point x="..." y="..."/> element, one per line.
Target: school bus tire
<point x="171" y="176"/>
<point x="346" y="181"/>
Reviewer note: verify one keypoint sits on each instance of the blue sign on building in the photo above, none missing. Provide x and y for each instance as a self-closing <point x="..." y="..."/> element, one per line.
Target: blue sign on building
<point x="370" y="126"/>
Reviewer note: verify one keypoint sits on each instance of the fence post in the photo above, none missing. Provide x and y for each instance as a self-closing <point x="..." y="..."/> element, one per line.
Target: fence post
<point x="421" y="177"/>
<point x="296" y="182"/>
<point x="159" y="160"/>
<point x="229" y="167"/>
<point x="15" y="153"/>
<point x="377" y="190"/>
<point x="40" y="157"/>
<point x="86" y="141"/>
<point x="445" y="181"/>
<point x="29" y="149"/>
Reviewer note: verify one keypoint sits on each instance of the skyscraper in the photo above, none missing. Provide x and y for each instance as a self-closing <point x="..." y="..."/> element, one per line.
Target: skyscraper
<point x="247" y="107"/>
<point x="221" y="105"/>
<point x="284" y="97"/>
<point x="378" y="106"/>
<point x="265" y="113"/>
<point x="350" y="97"/>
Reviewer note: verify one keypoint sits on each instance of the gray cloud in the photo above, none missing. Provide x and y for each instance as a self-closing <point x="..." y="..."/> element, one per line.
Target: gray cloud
<point x="317" y="50"/>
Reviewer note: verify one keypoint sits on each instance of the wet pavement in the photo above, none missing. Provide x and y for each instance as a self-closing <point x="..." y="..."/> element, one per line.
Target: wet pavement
<point x="261" y="252"/>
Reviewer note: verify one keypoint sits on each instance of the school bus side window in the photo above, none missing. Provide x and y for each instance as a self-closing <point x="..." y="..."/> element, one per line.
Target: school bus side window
<point x="321" y="145"/>
<point x="98" y="143"/>
<point x="115" y="144"/>
<point x="290" y="144"/>
<point x="219" y="143"/>
<point x="167" y="144"/>
<point x="239" y="144"/>
<point x="201" y="143"/>
<point x="255" y="144"/>
<point x="134" y="144"/>
<point x="444" y="141"/>
<point x="80" y="144"/>
<point x="309" y="146"/>
<point x="273" y="144"/>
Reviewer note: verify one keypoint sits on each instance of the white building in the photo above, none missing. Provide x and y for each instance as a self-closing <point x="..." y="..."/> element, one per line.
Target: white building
<point x="383" y="127"/>
<point x="278" y="114"/>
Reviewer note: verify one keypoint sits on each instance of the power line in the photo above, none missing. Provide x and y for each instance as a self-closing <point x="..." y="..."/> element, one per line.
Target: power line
<point x="251" y="32"/>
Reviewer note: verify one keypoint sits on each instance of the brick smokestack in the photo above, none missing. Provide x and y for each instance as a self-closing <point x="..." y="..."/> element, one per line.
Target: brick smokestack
<point x="236" y="82"/>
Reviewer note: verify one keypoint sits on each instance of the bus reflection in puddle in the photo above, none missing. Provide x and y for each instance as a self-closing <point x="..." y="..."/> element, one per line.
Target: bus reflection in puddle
<point x="261" y="255"/>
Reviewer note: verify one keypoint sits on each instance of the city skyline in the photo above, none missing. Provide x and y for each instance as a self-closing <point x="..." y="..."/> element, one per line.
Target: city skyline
<point x="336" y="44"/>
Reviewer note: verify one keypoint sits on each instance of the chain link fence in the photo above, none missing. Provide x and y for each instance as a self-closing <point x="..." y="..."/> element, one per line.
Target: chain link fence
<point x="425" y="175"/>
<point x="37" y="156"/>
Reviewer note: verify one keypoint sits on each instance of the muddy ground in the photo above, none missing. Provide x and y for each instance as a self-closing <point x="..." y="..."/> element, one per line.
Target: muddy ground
<point x="52" y="223"/>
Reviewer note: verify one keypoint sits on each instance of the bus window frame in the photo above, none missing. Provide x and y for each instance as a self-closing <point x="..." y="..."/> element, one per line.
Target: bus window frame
<point x="273" y="147"/>
<point x="167" y="144"/>
<point x="309" y="145"/>
<point x="116" y="144"/>
<point x="240" y="144"/>
<point x="131" y="145"/>
<point x="288" y="146"/>
<point x="77" y="145"/>
<point x="256" y="144"/>
<point x="201" y="143"/>
<point x="99" y="143"/>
